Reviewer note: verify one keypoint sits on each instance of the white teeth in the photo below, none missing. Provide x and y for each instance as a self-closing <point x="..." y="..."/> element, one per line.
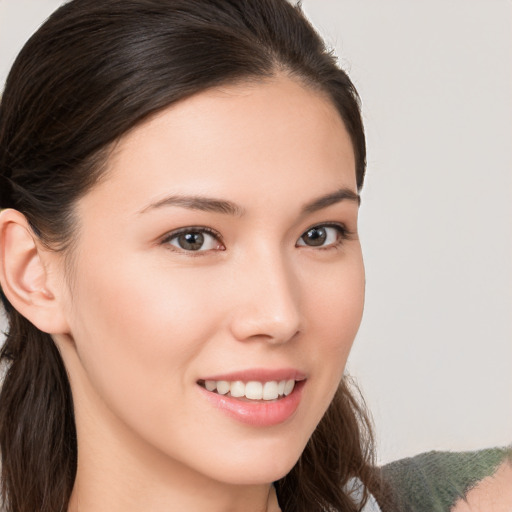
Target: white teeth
<point x="253" y="390"/>
<point x="270" y="390"/>
<point x="223" y="387"/>
<point x="237" y="389"/>
<point x="210" y="385"/>
<point x="288" y="388"/>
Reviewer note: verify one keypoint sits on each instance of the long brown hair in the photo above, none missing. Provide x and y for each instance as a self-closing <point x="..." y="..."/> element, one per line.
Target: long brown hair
<point x="92" y="72"/>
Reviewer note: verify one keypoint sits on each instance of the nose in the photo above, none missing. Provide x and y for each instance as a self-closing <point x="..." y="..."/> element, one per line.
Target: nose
<point x="268" y="301"/>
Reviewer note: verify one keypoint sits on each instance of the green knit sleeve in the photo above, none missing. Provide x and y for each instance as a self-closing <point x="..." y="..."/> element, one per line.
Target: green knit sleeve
<point x="434" y="481"/>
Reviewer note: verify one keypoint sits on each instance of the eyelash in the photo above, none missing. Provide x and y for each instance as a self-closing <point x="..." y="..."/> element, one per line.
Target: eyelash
<point x="343" y="235"/>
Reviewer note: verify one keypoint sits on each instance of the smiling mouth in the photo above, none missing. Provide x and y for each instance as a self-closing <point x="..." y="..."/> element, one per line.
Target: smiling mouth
<point x="250" y="391"/>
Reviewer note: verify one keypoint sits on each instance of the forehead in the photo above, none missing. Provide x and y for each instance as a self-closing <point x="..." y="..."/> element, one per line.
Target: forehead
<point x="251" y="138"/>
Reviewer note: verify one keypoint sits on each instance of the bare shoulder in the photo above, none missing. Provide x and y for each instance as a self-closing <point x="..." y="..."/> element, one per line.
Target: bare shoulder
<point x="492" y="494"/>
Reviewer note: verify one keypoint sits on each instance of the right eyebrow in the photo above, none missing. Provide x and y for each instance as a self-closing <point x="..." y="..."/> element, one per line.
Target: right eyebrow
<point x="205" y="204"/>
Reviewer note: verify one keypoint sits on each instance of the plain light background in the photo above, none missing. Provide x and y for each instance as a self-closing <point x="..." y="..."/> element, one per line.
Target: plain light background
<point x="434" y="353"/>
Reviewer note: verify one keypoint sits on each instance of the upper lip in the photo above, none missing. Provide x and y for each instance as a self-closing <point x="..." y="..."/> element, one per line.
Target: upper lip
<point x="260" y="375"/>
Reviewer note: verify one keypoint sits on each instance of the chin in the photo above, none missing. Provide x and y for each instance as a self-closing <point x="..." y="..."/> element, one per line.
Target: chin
<point x="262" y="466"/>
<point x="250" y="475"/>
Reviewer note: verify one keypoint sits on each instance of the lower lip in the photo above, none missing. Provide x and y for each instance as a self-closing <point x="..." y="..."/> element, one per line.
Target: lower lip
<point x="257" y="413"/>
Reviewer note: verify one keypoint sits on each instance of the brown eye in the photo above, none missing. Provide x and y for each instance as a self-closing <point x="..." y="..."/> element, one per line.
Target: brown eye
<point x="321" y="236"/>
<point x="315" y="236"/>
<point x="194" y="240"/>
<point x="190" y="241"/>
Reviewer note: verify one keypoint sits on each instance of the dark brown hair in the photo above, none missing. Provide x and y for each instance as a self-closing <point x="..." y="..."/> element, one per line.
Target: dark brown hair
<point x="92" y="72"/>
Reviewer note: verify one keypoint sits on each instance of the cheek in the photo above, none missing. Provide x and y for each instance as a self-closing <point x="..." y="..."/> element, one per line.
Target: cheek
<point x="137" y="332"/>
<point x="141" y="305"/>
<point x="332" y="313"/>
<point x="336" y="308"/>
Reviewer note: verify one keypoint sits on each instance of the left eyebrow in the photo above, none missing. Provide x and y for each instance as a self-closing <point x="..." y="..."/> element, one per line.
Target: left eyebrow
<point x="343" y="194"/>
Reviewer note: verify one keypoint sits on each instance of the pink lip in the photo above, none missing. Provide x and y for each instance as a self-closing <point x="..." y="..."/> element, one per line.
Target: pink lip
<point x="260" y="375"/>
<point x="258" y="413"/>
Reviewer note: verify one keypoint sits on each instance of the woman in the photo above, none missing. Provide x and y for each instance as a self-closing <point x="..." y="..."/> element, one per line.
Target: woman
<point x="180" y="263"/>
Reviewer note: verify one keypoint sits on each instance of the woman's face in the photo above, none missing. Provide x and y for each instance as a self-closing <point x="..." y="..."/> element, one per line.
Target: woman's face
<point x="221" y="248"/>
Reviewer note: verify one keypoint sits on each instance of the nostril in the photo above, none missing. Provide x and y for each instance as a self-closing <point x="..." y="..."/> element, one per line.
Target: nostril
<point x="272" y="331"/>
<point x="264" y="325"/>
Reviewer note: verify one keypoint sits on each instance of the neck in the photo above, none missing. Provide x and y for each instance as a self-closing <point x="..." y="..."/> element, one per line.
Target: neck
<point x="88" y="496"/>
<point x="118" y="480"/>
<point x="118" y="471"/>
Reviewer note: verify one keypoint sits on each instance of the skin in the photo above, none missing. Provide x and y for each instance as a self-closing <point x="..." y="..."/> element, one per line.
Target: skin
<point x="492" y="494"/>
<point x="140" y="319"/>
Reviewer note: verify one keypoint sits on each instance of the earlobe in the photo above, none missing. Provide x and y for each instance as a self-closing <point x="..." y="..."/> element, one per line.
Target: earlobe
<point x="24" y="274"/>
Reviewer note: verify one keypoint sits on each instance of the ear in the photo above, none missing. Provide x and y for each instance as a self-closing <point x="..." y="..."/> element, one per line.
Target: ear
<point x="24" y="274"/>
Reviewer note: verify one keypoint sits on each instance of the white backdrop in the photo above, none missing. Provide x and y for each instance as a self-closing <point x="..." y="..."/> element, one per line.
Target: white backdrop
<point x="434" y="353"/>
